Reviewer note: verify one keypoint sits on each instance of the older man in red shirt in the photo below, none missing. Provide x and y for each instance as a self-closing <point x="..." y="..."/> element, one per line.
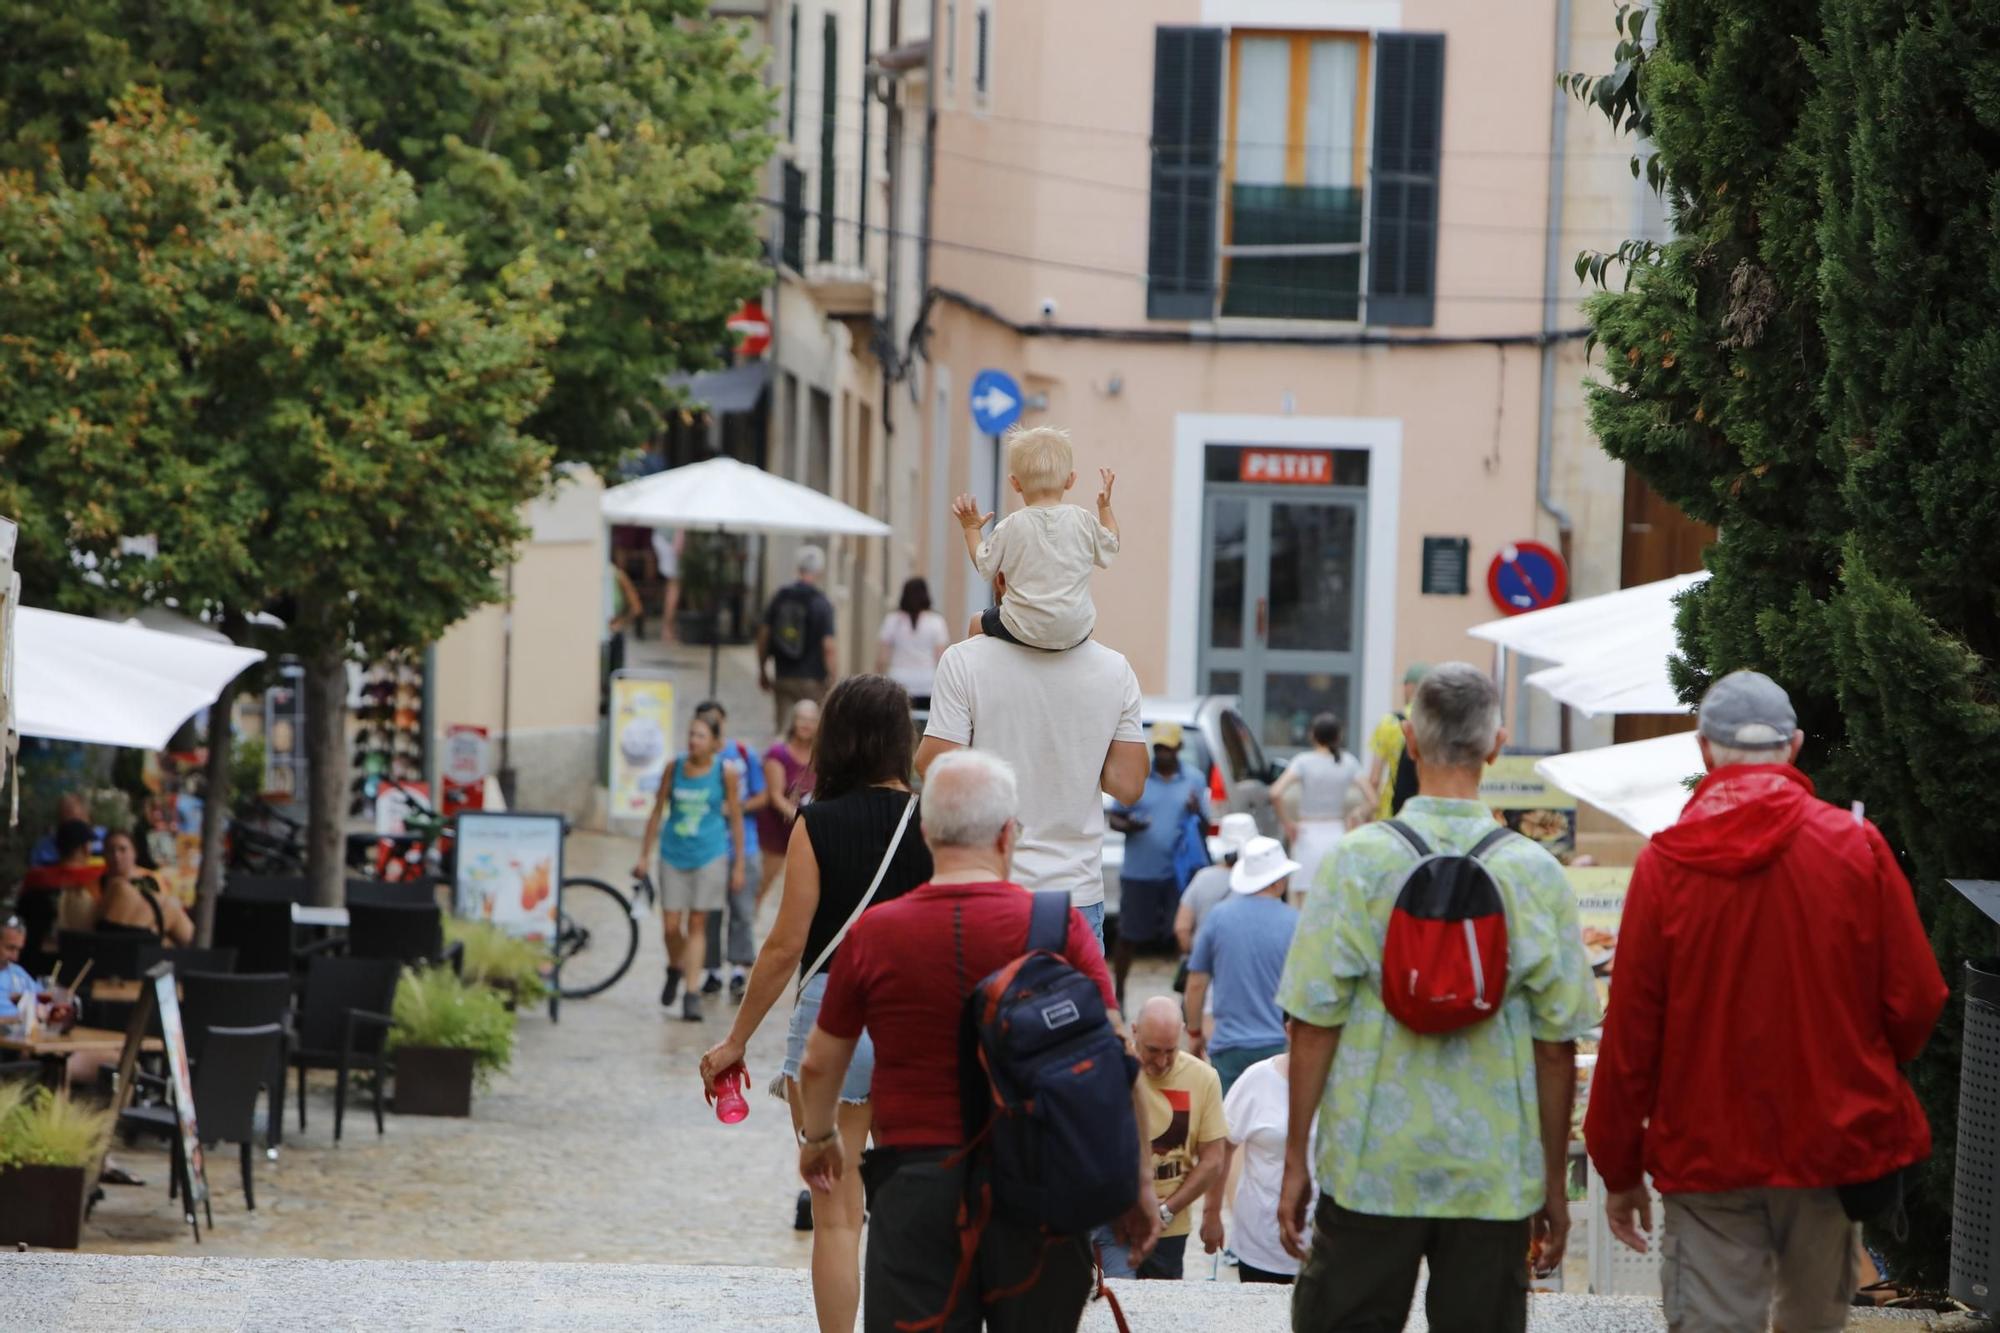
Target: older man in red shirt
<point x="1771" y="976"/>
<point x="902" y="973"/>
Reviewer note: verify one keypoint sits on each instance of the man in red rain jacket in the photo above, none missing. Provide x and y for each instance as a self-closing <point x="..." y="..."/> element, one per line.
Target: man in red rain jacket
<point x="1771" y="975"/>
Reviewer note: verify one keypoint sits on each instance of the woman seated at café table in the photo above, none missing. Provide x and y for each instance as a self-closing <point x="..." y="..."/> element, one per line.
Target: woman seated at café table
<point x="134" y="900"/>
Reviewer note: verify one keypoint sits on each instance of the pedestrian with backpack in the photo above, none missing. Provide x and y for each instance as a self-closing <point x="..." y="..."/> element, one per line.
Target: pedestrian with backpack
<point x="796" y="651"/>
<point x="1004" y="1128"/>
<point x="1439" y="983"/>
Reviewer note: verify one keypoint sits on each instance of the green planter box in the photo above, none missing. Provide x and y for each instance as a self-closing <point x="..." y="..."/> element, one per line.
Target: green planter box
<point x="433" y="1080"/>
<point x="43" y="1205"/>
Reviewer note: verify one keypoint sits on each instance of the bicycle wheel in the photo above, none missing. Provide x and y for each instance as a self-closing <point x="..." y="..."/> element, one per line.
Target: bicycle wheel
<point x="596" y="938"/>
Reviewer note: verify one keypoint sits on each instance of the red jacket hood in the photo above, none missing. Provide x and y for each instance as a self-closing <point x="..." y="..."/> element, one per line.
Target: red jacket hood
<point x="1739" y="819"/>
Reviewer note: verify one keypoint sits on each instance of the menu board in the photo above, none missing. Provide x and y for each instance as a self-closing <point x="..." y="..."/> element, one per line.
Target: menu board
<point x="1530" y="804"/>
<point x="642" y="741"/>
<point x="507" y="870"/>
<point x="194" y="1182"/>
<point x="1600" y="902"/>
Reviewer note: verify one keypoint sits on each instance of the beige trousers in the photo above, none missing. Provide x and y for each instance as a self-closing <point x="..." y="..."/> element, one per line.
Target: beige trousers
<point x="1744" y="1260"/>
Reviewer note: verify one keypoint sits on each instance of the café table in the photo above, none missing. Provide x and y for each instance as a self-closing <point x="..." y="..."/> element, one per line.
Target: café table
<point x="54" y="1049"/>
<point x="333" y="918"/>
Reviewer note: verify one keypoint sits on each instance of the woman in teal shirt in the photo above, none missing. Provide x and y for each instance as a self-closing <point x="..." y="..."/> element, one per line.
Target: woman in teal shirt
<point x="698" y="821"/>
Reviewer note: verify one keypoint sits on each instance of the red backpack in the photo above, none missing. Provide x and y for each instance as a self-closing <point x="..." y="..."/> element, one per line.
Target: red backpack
<point x="1444" y="961"/>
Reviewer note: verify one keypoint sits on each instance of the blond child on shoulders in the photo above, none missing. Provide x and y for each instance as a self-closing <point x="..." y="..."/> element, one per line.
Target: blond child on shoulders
<point x="1043" y="553"/>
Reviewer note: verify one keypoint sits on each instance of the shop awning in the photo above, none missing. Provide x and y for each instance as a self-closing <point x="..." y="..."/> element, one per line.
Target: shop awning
<point x="1643" y="784"/>
<point x="723" y="495"/>
<point x="1630" y="677"/>
<point x="103" y="683"/>
<point x="732" y="389"/>
<point x="1609" y="652"/>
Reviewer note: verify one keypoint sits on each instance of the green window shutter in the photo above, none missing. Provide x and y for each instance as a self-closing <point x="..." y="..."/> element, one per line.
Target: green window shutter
<point x="1409" y="131"/>
<point x="829" y="118"/>
<point x="792" y="78"/>
<point x="1187" y="172"/>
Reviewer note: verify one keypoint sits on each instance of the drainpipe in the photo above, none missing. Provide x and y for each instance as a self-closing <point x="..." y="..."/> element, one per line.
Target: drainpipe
<point x="1552" y="269"/>
<point x="887" y="368"/>
<point x="867" y="115"/>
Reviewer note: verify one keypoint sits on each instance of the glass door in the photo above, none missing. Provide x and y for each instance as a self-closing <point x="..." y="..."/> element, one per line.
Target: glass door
<point x="1282" y="607"/>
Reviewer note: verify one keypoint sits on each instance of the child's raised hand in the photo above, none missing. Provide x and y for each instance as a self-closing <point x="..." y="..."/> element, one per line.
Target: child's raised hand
<point x="1108" y="478"/>
<point x="966" y="509"/>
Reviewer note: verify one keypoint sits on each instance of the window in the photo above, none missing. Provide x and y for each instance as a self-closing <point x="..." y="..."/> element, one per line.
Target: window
<point x="792" y="78"/>
<point x="792" y="240"/>
<point x="950" y="47"/>
<point x="819" y="441"/>
<point x="982" y="54"/>
<point x="1294" y="164"/>
<point x="1295" y="175"/>
<point x="829" y="119"/>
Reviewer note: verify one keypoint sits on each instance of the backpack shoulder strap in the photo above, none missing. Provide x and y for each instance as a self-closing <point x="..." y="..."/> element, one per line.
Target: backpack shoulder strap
<point x="1048" y="921"/>
<point x="1410" y="837"/>
<point x="1490" y="841"/>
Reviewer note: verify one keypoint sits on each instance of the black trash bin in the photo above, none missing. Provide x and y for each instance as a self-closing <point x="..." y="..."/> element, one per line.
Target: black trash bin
<point x="1975" y="1204"/>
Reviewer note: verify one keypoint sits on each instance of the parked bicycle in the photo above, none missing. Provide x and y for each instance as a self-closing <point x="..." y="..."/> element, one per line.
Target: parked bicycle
<point x="597" y="933"/>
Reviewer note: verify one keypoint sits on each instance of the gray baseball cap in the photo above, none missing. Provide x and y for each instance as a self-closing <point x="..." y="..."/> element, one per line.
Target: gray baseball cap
<point x="1749" y="710"/>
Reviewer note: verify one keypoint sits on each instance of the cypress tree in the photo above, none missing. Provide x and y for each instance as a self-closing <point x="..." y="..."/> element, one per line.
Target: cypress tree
<point x="1811" y="364"/>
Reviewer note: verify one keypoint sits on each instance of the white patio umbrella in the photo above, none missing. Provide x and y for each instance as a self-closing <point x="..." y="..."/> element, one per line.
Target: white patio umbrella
<point x="1643" y="784"/>
<point x="1609" y="652"/>
<point x="102" y="683"/>
<point x="723" y="495"/>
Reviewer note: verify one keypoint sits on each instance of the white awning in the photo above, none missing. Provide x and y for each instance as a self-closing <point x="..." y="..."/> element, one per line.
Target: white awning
<point x="724" y="495"/>
<point x="1610" y="652"/>
<point x="103" y="683"/>
<point x="1642" y="784"/>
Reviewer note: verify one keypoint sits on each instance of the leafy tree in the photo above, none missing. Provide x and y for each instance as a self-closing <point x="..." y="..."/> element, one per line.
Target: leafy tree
<point x="621" y="140"/>
<point x="293" y="389"/>
<point x="1809" y="365"/>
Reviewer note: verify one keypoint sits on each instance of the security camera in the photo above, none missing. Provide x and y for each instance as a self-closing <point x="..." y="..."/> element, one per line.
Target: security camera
<point x="1048" y="307"/>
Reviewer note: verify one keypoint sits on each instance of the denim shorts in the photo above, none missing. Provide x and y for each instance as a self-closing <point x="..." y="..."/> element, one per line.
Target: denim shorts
<point x="860" y="1070"/>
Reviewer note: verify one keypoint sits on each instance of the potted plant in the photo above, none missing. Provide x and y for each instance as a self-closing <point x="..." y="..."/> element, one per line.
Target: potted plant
<point x="517" y="968"/>
<point x="447" y="1034"/>
<point x="48" y="1144"/>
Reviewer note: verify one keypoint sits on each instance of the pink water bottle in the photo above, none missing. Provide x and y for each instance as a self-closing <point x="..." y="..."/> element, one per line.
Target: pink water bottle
<point x="730" y="1106"/>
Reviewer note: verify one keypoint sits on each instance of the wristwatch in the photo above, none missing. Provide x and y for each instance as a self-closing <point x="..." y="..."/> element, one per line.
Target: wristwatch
<point x="1166" y="1215"/>
<point x="812" y="1141"/>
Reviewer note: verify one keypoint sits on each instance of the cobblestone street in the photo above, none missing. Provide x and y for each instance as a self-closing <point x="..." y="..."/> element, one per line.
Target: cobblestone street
<point x="596" y="1146"/>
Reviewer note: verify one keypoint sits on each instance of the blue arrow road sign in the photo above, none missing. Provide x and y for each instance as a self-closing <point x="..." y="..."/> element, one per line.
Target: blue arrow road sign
<point x="996" y="401"/>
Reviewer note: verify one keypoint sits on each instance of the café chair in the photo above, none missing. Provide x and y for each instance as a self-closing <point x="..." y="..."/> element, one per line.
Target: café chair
<point x="411" y="934"/>
<point x="392" y="893"/>
<point x="343" y="1024"/>
<point x="212" y="1000"/>
<point x="267" y="888"/>
<point x="259" y="930"/>
<point x="237" y="1064"/>
<point x="114" y="954"/>
<point x="186" y="960"/>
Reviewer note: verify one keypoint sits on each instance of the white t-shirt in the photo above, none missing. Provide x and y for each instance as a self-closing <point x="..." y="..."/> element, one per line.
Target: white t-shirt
<point x="1047" y="553"/>
<point x="914" y="649"/>
<point x="1053" y="716"/>
<point x="1323" y="781"/>
<point x="1258" y="1109"/>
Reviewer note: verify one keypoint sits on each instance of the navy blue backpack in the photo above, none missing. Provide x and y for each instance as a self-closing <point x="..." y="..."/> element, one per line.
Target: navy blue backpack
<point x="1057" y="1111"/>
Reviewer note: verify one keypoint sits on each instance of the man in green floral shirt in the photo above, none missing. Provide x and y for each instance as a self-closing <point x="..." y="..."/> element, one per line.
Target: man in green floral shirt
<point x="1450" y="1149"/>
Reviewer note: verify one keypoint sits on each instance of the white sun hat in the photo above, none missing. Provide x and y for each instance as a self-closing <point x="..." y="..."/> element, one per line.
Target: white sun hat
<point x="1262" y="864"/>
<point x="1236" y="830"/>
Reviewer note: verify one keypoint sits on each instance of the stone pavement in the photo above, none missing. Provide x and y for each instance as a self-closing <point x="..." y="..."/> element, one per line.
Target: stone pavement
<point x="51" y="1293"/>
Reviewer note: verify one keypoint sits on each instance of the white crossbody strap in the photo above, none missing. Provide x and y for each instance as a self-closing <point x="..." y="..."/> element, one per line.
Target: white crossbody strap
<point x="895" y="841"/>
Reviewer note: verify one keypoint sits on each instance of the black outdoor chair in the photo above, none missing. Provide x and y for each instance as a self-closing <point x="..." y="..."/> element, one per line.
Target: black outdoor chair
<point x="267" y="888"/>
<point x="392" y="893"/>
<point x="211" y="1000"/>
<point x="38" y="913"/>
<point x="407" y="934"/>
<point x="21" y="1071"/>
<point x="343" y="1024"/>
<point x="111" y="953"/>
<point x="186" y="960"/>
<point x="258" y="929"/>
<point x="238" y="1064"/>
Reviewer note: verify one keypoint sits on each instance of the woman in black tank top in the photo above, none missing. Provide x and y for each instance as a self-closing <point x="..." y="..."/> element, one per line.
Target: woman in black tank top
<point x="863" y="758"/>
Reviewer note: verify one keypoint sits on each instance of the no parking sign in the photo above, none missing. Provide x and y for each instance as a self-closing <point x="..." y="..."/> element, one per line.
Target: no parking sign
<point x="1526" y="576"/>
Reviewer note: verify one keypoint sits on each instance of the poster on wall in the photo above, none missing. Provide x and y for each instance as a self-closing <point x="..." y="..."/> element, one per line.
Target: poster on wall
<point x="468" y="760"/>
<point x="1600" y="902"/>
<point x="642" y="741"/>
<point x="1530" y="804"/>
<point x="508" y="869"/>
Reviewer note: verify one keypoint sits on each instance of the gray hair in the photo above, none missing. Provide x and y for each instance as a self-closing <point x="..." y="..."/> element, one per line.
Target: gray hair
<point x="811" y="560"/>
<point x="1724" y="755"/>
<point x="1456" y="715"/>
<point x="969" y="796"/>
